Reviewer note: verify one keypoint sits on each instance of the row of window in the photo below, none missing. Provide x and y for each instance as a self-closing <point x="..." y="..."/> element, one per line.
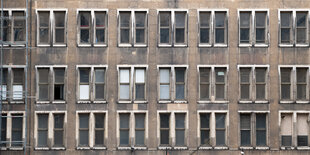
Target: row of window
<point x="172" y="84"/>
<point x="172" y="27"/>
<point x="172" y="129"/>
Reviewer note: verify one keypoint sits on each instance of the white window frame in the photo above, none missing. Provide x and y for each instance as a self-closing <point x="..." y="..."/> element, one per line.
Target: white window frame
<point x="172" y="134"/>
<point x="293" y="93"/>
<point x="212" y="129"/>
<point x="252" y="98"/>
<point x="50" y="133"/>
<point x="9" y="130"/>
<point x="91" y="83"/>
<point x="92" y="29"/>
<point x="51" y="27"/>
<point x="91" y="127"/>
<point x="132" y="128"/>
<point x="172" y="84"/>
<point x="172" y="28"/>
<point x="212" y="98"/>
<point x="293" y="38"/>
<point x="252" y="32"/>
<point x="294" y="129"/>
<point x="132" y="93"/>
<point x="253" y="130"/>
<point x="132" y="27"/>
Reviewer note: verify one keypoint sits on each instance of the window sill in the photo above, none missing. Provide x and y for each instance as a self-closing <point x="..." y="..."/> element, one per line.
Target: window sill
<point x="205" y="148"/>
<point x="221" y="148"/>
<point x="303" y="148"/>
<point x="221" y="101"/>
<point x="60" y="45"/>
<point x="43" y="45"/>
<point x="180" y="148"/>
<point x="3" y="148"/>
<point x="100" y="45"/>
<point x="17" y="102"/>
<point x="59" y="102"/>
<point x="139" y="45"/>
<point x="220" y="45"/>
<point x="5" y="102"/>
<point x="164" y="45"/>
<point x="99" y="148"/>
<point x="204" y="45"/>
<point x="246" y="148"/>
<point x="180" y="45"/>
<point x="262" y="148"/>
<point x="286" y="102"/>
<point x="140" y="148"/>
<point x="245" y="45"/>
<point x="81" y="102"/>
<point x="286" y="45"/>
<point x="16" y="148"/>
<point x="42" y="148"/>
<point x="100" y="102"/>
<point x="287" y="148"/>
<point x="302" y="102"/>
<point x="212" y="102"/>
<point x="124" y="45"/>
<point x="124" y="148"/>
<point x="245" y="101"/>
<point x="261" y="45"/>
<point x="140" y="102"/>
<point x="18" y="45"/>
<point x="58" y="148"/>
<point x="42" y="102"/>
<point x="83" y="148"/>
<point x="302" y="45"/>
<point x="164" y="148"/>
<point x="261" y="102"/>
<point x="167" y="101"/>
<point x="184" y="102"/>
<point x="125" y="102"/>
<point x="84" y="45"/>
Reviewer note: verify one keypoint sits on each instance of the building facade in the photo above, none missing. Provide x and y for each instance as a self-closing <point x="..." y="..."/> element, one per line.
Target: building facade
<point x="178" y="77"/>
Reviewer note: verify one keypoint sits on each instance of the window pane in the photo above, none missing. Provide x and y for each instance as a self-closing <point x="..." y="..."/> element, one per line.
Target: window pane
<point x="260" y="18"/>
<point x="180" y="19"/>
<point x="83" y="137"/>
<point x="4" y="92"/>
<point x="19" y="34"/>
<point x="260" y="91"/>
<point x="245" y="91"/>
<point x="179" y="35"/>
<point x="164" y="35"/>
<point x="44" y="38"/>
<point x="43" y="75"/>
<point x="301" y="35"/>
<point x="219" y="35"/>
<point x="18" y="75"/>
<point x="59" y="121"/>
<point x="245" y="121"/>
<point x="44" y="18"/>
<point x="59" y="75"/>
<point x="99" y="91"/>
<point x="125" y="19"/>
<point x="3" y="129"/>
<point x="220" y="120"/>
<point x="180" y="74"/>
<point x="220" y="91"/>
<point x="285" y="75"/>
<point x="139" y="76"/>
<point x="244" y="35"/>
<point x="140" y="91"/>
<point x="204" y="91"/>
<point x="180" y="91"/>
<point x="285" y="35"/>
<point x="205" y="137"/>
<point x="100" y="36"/>
<point x="164" y="18"/>
<point x="84" y="92"/>
<point x="220" y="19"/>
<point x="85" y="19"/>
<point x="302" y="124"/>
<point x="139" y="137"/>
<point x="99" y="120"/>
<point x="204" y="75"/>
<point x="43" y="92"/>
<point x="164" y="137"/>
<point x="285" y="19"/>
<point x="59" y="92"/>
<point x="124" y="75"/>
<point x="245" y="75"/>
<point x="4" y="76"/>
<point x="124" y="137"/>
<point x="124" y="121"/>
<point x="124" y="92"/>
<point x="260" y="74"/>
<point x="261" y="121"/>
<point x="58" y="138"/>
<point x="301" y="18"/>
<point x="179" y="120"/>
<point x="164" y="92"/>
<point x="43" y="121"/>
<point x="220" y="137"/>
<point x="285" y="91"/>
<point x="42" y="138"/>
<point x="164" y="75"/>
<point x="99" y="137"/>
<point x="261" y="137"/>
<point x="204" y="18"/>
<point x="140" y="36"/>
<point x="245" y="19"/>
<point x="204" y="120"/>
<point x="164" y="120"/>
<point x="99" y="75"/>
<point x="302" y="140"/>
<point x="125" y="35"/>
<point x="302" y="75"/>
<point x="204" y="35"/>
<point x="260" y="35"/>
<point x="245" y="138"/>
<point x="17" y="92"/>
<point x="84" y="121"/>
<point x="220" y="75"/>
<point x="84" y="36"/>
<point x="286" y="140"/>
<point x="286" y="124"/>
<point x="100" y="19"/>
<point x="60" y="18"/>
<point x="179" y="137"/>
<point x="140" y="19"/>
<point x="301" y="91"/>
<point x="60" y="35"/>
<point x="139" y="120"/>
<point x="84" y="75"/>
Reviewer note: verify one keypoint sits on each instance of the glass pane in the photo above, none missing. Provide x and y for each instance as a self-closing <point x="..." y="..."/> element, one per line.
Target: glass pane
<point x="179" y="35"/>
<point x="204" y="91"/>
<point x="286" y="140"/>
<point x="44" y="18"/>
<point x="302" y="140"/>
<point x="59" y="92"/>
<point x="140" y="91"/>
<point x="100" y="19"/>
<point x="60" y="18"/>
<point x="261" y="138"/>
<point x="42" y="138"/>
<point x="124" y="137"/>
<point x="85" y="19"/>
<point x="179" y="137"/>
<point x="99" y="137"/>
<point x="245" y="75"/>
<point x="84" y="121"/>
<point x="44" y="38"/>
<point x="139" y="119"/>
<point x="164" y="35"/>
<point x="4" y="92"/>
<point x="260" y="35"/>
<point x="220" y="75"/>
<point x="164" y="120"/>
<point x="84" y="75"/>
<point x="84" y="38"/>
<point x="244" y="35"/>
<point x="204" y="120"/>
<point x="164" y="75"/>
<point x="285" y="35"/>
<point x="125" y="19"/>
<point x="245" y="91"/>
<point x="205" y="137"/>
<point x="83" y="137"/>
<point x="43" y="92"/>
<point x="140" y="36"/>
<point x="220" y="91"/>
<point x="17" y="122"/>
<point x="204" y="18"/>
<point x="260" y="19"/>
<point x="3" y="128"/>
<point x="43" y="121"/>
<point x="180" y="91"/>
<point x="286" y="19"/>
<point x="204" y="35"/>
<point x="180" y="19"/>
<point x="4" y="76"/>
<point x="164" y="92"/>
<point x="139" y="137"/>
<point x="220" y="120"/>
<point x="99" y="75"/>
<point x="100" y="36"/>
<point x="220" y="19"/>
<point x="164" y="136"/>
<point x="301" y="91"/>
<point x="58" y="138"/>
<point x="220" y="137"/>
<point x="301" y="18"/>
<point x="245" y="138"/>
<point x="302" y="75"/>
<point x="285" y="75"/>
<point x="59" y="120"/>
<point x="84" y="92"/>
<point x="124" y="92"/>
<point x="204" y="74"/>
<point x="60" y="35"/>
<point x="99" y="91"/>
<point x="139" y="76"/>
<point x="179" y="120"/>
<point x="260" y="74"/>
<point x="164" y="18"/>
<point x="125" y="35"/>
<point x="180" y="74"/>
<point x="124" y="121"/>
<point x="19" y="34"/>
<point x="260" y="91"/>
<point x="301" y="35"/>
<point x="17" y="136"/>
<point x="245" y="19"/>
<point x="245" y="121"/>
<point x="219" y="35"/>
<point x="43" y="75"/>
<point x="59" y="75"/>
<point x="285" y="91"/>
<point x="261" y="121"/>
<point x="140" y="19"/>
<point x="18" y="75"/>
<point x="17" y="92"/>
<point x="99" y="120"/>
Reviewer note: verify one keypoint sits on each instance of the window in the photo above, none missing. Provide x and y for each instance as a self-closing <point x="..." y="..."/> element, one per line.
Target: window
<point x="253" y="27"/>
<point x="172" y="32"/>
<point x="4" y="84"/>
<point x="212" y="123"/>
<point x="132" y="129"/>
<point x="92" y="84"/>
<point x="249" y="130"/>
<point x="43" y="84"/>
<point x="51" y="27"/>
<point x="14" y="25"/>
<point x="59" y="84"/>
<point x="253" y="83"/>
<point x="167" y="84"/>
<point x="17" y="130"/>
<point x="92" y="28"/>
<point x="3" y="130"/>
<point x="172" y="129"/>
<point x="293" y="33"/>
<point x="59" y="130"/>
<point x="302" y="129"/>
<point x="42" y="130"/>
<point x="286" y="129"/>
<point x="18" y="82"/>
<point x="132" y="84"/>
<point x="212" y="83"/>
<point x="294" y="84"/>
<point x="91" y="129"/>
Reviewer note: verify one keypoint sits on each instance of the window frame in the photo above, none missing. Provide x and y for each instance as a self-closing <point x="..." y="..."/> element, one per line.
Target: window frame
<point x="18" y="100"/>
